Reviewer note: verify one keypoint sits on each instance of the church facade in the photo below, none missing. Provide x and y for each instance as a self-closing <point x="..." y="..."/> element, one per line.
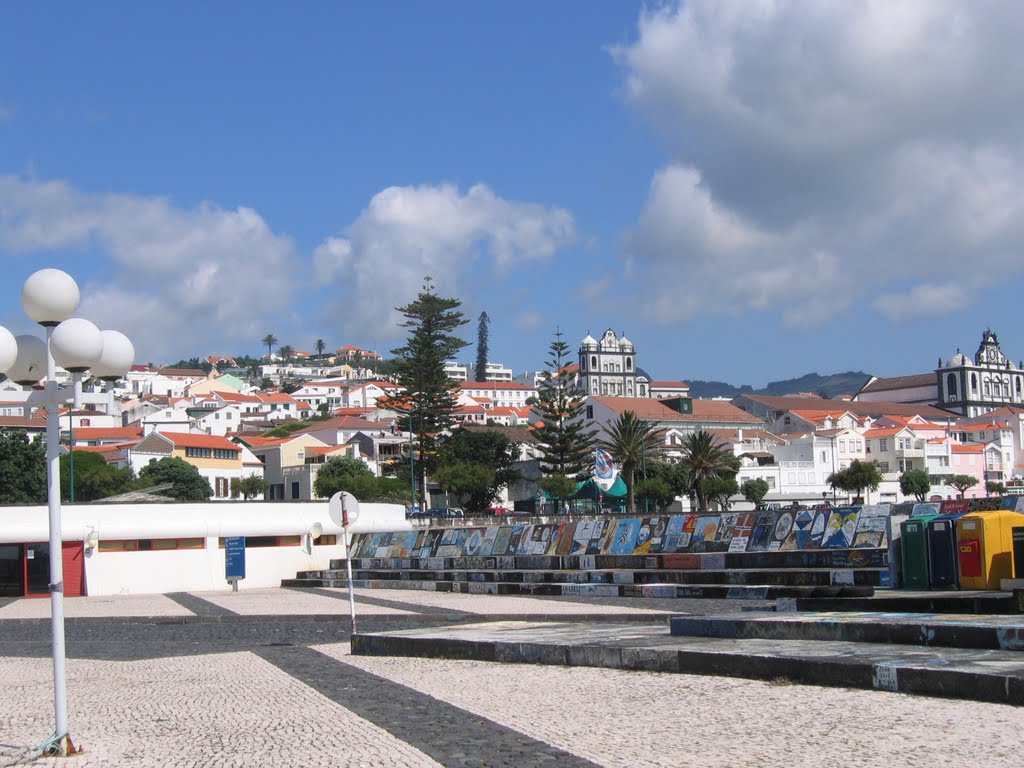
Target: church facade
<point x="608" y="367"/>
<point x="975" y="387"/>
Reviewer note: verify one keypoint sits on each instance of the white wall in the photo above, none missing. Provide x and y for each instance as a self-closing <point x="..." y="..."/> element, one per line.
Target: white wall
<point x="157" y="571"/>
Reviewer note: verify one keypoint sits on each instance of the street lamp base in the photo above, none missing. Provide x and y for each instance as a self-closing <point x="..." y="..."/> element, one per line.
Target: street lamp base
<point x="59" y="746"/>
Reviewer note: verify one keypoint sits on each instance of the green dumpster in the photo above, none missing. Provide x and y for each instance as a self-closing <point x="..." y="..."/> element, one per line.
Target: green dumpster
<point x="914" y="538"/>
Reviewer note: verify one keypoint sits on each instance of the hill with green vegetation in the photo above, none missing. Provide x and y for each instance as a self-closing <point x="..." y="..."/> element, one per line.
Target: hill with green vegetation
<point x="830" y="385"/>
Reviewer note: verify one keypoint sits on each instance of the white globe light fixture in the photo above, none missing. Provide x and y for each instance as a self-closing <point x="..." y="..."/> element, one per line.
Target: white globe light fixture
<point x="76" y="345"/>
<point x="29" y="366"/>
<point x="117" y="357"/>
<point x="8" y="349"/>
<point x="50" y="296"/>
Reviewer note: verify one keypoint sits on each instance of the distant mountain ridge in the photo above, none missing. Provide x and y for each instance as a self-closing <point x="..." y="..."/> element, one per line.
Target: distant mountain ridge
<point x="831" y="385"/>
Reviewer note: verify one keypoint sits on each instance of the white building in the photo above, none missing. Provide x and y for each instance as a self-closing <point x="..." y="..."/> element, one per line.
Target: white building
<point x="608" y="367"/>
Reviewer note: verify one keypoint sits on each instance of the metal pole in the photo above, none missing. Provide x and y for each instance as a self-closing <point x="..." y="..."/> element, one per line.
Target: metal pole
<point x="348" y="563"/>
<point x="76" y="405"/>
<point x="61" y="740"/>
<point x="412" y="466"/>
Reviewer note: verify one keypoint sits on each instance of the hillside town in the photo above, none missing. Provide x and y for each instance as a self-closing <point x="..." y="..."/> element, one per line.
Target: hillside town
<point x="964" y="418"/>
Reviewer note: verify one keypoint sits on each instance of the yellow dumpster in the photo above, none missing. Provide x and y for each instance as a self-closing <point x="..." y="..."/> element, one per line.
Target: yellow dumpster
<point x="985" y="548"/>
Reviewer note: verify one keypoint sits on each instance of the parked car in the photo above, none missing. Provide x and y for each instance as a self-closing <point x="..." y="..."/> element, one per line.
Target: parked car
<point x="498" y="511"/>
<point x="445" y="512"/>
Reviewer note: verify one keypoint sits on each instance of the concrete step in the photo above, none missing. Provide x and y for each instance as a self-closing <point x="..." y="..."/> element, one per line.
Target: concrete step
<point x="863" y="577"/>
<point x="972" y="602"/>
<point x="709" y="591"/>
<point x="976" y="632"/>
<point x="979" y="675"/>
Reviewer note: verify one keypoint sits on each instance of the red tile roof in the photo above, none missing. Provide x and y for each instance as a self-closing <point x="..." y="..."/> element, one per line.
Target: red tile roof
<point x="975" y="448"/>
<point x="651" y="409"/>
<point x="190" y="440"/>
<point x="108" y="433"/>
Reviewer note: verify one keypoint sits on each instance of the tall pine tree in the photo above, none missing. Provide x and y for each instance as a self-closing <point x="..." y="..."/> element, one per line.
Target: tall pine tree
<point x="428" y="403"/>
<point x="566" y="440"/>
<point x="482" y="349"/>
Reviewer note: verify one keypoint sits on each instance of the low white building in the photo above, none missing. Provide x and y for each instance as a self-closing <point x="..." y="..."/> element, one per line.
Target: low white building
<point x="112" y="549"/>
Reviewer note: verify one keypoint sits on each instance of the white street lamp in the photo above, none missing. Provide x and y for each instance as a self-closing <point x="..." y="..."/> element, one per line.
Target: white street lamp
<point x="50" y="297"/>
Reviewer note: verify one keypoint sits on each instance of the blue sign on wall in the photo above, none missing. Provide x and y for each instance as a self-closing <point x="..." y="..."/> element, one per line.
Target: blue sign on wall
<point x="234" y="557"/>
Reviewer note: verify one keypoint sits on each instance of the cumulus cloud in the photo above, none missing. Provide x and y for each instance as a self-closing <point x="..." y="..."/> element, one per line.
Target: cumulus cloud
<point x="818" y="150"/>
<point x="407" y="233"/>
<point x="179" y="275"/>
<point x="921" y="301"/>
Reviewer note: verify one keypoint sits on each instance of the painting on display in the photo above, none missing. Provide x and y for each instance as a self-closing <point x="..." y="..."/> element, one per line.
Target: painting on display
<point x="566" y="539"/>
<point x="525" y="545"/>
<point x="673" y="534"/>
<point x="624" y="540"/>
<point x="783" y="528"/>
<point x="501" y="540"/>
<point x="487" y="548"/>
<point x="761" y="533"/>
<point x="741" y="532"/>
<point x="426" y="545"/>
<point x="821" y="517"/>
<point x="840" y="528"/>
<point x="723" y="534"/>
<point x="474" y="542"/>
<point x="658" y="526"/>
<point x="704" y="530"/>
<point x="872" y="526"/>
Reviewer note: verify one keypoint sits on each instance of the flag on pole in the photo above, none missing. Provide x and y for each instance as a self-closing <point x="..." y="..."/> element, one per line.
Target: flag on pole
<point x="604" y="469"/>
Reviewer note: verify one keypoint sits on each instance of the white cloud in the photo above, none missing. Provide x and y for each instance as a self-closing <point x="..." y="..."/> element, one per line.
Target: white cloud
<point x="407" y="233"/>
<point x="180" y="277"/>
<point x="925" y="300"/>
<point x="818" y="151"/>
<point x="529" y="321"/>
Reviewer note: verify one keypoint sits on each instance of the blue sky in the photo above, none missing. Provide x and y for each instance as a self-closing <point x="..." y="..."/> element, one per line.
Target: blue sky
<point x="748" y="190"/>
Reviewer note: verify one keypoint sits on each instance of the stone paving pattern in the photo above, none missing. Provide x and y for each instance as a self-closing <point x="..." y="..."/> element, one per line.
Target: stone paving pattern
<point x="282" y="690"/>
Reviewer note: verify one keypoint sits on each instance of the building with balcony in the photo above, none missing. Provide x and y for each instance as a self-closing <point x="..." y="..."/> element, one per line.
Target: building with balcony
<point x="989" y="381"/>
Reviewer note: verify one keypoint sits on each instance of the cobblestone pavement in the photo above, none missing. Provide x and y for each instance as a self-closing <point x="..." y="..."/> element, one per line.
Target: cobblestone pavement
<point x="226" y="689"/>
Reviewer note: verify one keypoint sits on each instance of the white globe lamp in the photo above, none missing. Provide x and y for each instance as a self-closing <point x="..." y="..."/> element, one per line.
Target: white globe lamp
<point x="8" y="349"/>
<point x="117" y="357"/>
<point x="76" y="345"/>
<point x="29" y="365"/>
<point x="50" y="296"/>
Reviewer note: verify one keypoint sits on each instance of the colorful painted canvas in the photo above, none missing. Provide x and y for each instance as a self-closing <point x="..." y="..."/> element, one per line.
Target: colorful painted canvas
<point x="658" y="527"/>
<point x="501" y="539"/>
<point x="624" y="540"/>
<point x="821" y="517"/>
<point x="840" y="528"/>
<point x="783" y="527"/>
<point x="566" y="539"/>
<point x="764" y="528"/>
<point x="872" y="526"/>
<point x="704" y="530"/>
<point x="673" y="534"/>
<point x="581" y="537"/>
<point x="474" y="541"/>
<point x="600" y="537"/>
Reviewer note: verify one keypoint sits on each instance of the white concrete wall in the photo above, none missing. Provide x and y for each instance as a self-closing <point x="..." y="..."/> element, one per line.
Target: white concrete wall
<point x="156" y="571"/>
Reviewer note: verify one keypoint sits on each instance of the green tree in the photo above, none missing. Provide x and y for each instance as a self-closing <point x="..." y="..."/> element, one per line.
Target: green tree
<point x="704" y="459"/>
<point x="22" y="469"/>
<point x="557" y="486"/>
<point x="94" y="477"/>
<point x="657" y="491"/>
<point x="720" y="489"/>
<point x="270" y="340"/>
<point x="566" y="440"/>
<point x="464" y="449"/>
<point x="482" y="347"/>
<point x="340" y="473"/>
<point x="675" y="475"/>
<point x="189" y="485"/>
<point x="856" y="478"/>
<point x="287" y="352"/>
<point x="995" y="488"/>
<point x="916" y="483"/>
<point x="249" y="487"/>
<point x="754" y="490"/>
<point x="319" y="346"/>
<point x="962" y="483"/>
<point x="630" y="440"/>
<point x="427" y="406"/>
<point x="468" y="480"/>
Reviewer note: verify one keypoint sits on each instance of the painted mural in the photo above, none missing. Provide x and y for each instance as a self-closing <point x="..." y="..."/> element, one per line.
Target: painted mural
<point x="783" y="530"/>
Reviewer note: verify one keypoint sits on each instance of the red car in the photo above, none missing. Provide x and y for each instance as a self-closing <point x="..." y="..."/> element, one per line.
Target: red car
<point x="498" y="511"/>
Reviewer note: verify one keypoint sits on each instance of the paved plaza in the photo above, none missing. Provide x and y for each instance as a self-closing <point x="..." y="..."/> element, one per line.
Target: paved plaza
<point x="265" y="678"/>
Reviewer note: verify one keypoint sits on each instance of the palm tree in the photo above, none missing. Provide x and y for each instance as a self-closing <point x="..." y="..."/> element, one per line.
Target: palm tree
<point x="270" y="340"/>
<point x="703" y="460"/>
<point x="286" y="353"/>
<point x="629" y="440"/>
<point x="319" y="346"/>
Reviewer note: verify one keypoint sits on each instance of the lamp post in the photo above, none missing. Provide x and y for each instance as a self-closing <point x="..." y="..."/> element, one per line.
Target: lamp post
<point x="50" y="297"/>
